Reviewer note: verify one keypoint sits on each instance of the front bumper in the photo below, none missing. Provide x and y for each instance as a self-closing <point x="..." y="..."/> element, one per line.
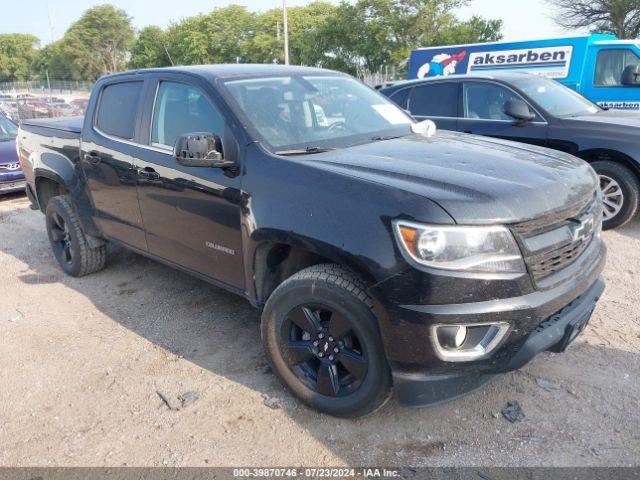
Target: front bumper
<point x="554" y="334"/>
<point x="539" y="320"/>
<point x="12" y="186"/>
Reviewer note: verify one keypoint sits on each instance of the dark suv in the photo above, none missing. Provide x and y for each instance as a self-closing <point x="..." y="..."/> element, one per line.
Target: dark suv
<point x="379" y="252"/>
<point x="531" y="109"/>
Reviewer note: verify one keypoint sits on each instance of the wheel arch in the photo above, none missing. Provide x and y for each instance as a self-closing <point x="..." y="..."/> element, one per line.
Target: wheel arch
<point x="597" y="154"/>
<point x="275" y="257"/>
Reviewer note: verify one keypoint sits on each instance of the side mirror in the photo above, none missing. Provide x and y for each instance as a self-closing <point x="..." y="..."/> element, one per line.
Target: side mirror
<point x="519" y="110"/>
<point x="200" y="149"/>
<point x="630" y="76"/>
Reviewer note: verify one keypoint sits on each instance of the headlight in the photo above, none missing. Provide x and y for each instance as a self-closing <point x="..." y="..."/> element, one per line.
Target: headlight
<point x="490" y="249"/>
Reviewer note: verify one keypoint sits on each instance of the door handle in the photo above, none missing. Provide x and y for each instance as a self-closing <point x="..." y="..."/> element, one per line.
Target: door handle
<point x="93" y="158"/>
<point x="148" y="173"/>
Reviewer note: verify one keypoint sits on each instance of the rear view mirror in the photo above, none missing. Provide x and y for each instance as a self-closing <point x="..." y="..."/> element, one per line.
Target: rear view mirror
<point x="200" y="149"/>
<point x="630" y="75"/>
<point x="519" y="110"/>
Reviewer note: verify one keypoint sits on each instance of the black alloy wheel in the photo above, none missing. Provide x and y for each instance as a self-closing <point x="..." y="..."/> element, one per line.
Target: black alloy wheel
<point x="322" y="350"/>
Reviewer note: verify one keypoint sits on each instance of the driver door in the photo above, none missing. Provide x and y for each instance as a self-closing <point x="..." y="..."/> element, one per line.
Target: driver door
<point x="482" y="114"/>
<point x="191" y="215"/>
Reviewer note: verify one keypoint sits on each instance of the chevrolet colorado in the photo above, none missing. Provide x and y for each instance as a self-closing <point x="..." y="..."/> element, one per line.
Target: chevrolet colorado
<point x="380" y="256"/>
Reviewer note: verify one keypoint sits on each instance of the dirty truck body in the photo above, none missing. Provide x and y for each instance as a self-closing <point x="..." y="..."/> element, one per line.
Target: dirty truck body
<point x="380" y="258"/>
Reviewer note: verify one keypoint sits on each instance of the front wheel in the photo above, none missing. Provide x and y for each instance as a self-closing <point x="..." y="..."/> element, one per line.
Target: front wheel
<point x="322" y="340"/>
<point x="620" y="193"/>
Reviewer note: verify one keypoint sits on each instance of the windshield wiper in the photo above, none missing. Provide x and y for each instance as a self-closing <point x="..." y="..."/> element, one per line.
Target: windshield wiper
<point x="381" y="138"/>
<point x="304" y="151"/>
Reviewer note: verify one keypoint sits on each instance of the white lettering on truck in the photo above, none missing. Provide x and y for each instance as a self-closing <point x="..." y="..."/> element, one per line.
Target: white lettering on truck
<point x="551" y="62"/>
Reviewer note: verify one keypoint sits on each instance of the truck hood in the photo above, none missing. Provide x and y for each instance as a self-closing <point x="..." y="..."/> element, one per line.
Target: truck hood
<point x="475" y="179"/>
<point x="8" y="152"/>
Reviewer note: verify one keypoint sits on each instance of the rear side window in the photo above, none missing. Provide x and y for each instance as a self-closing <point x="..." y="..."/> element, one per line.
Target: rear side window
<point x="118" y="108"/>
<point x="437" y="100"/>
<point x="610" y="65"/>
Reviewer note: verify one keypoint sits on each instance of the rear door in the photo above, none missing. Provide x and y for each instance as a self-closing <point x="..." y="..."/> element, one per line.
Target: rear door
<point x="482" y="114"/>
<point x="437" y="101"/>
<point x="107" y="164"/>
<point x="191" y="214"/>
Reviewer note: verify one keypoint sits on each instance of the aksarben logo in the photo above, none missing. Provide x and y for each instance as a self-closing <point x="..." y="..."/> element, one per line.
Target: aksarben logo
<point x="552" y="62"/>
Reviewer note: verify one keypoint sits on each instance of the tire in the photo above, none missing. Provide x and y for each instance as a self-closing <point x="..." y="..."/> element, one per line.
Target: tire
<point x="615" y="177"/>
<point x="68" y="241"/>
<point x="352" y="377"/>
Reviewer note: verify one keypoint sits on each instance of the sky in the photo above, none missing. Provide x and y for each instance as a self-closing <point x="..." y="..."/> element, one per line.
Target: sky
<point x="523" y="19"/>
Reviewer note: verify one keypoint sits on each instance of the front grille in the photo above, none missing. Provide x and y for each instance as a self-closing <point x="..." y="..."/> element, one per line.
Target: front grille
<point x="570" y="232"/>
<point x="553" y="261"/>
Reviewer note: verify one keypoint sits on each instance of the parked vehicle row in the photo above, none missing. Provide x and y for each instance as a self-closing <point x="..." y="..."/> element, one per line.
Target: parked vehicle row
<point x="381" y="253"/>
<point x="535" y="110"/>
<point x="27" y="106"/>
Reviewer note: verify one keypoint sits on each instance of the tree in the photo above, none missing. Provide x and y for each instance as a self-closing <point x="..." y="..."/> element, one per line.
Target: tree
<point x="150" y="49"/>
<point x="221" y="36"/>
<point x="619" y="17"/>
<point x="267" y="43"/>
<point x="371" y="34"/>
<point x="17" y="52"/>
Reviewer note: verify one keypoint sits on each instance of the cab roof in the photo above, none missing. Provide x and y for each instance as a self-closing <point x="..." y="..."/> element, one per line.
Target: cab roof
<point x="217" y="71"/>
<point x="504" y="76"/>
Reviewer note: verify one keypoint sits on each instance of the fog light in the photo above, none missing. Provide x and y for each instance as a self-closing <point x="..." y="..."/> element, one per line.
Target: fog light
<point x="452" y="337"/>
<point x="468" y="342"/>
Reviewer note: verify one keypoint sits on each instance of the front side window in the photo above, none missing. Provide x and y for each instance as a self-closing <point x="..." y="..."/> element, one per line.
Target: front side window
<point x="437" y="100"/>
<point x="291" y="112"/>
<point x="486" y="100"/>
<point x="118" y="109"/>
<point x="8" y="129"/>
<point x="181" y="109"/>
<point x="611" y="64"/>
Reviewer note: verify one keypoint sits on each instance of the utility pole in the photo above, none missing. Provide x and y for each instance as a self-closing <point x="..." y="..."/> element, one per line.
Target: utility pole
<point x="286" y="32"/>
<point x="50" y="23"/>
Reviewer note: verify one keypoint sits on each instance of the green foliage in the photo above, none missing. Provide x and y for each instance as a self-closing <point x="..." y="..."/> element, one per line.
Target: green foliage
<point x="96" y="44"/>
<point x="353" y="36"/>
<point x="17" y="52"/>
<point x="221" y="36"/>
<point x="150" y="49"/>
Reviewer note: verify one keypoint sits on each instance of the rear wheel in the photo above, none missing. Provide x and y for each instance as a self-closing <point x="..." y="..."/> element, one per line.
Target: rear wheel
<point x="620" y="193"/>
<point x="322" y="340"/>
<point x="68" y="241"/>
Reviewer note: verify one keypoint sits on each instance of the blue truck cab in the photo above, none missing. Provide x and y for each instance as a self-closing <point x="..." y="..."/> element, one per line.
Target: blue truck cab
<point x="600" y="67"/>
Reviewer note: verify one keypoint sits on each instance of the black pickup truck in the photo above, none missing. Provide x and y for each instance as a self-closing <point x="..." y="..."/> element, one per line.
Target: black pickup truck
<point x="381" y="254"/>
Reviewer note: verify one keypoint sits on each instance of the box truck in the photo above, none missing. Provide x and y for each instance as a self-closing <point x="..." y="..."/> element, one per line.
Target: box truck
<point x="598" y="66"/>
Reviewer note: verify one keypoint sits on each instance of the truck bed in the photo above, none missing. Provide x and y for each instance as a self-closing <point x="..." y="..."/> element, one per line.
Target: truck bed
<point x="71" y="125"/>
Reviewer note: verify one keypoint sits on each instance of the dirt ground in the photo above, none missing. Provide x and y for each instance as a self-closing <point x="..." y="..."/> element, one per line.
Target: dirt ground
<point x="85" y="365"/>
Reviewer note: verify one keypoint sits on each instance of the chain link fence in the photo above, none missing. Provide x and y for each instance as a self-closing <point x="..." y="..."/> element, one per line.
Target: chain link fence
<point x="43" y="99"/>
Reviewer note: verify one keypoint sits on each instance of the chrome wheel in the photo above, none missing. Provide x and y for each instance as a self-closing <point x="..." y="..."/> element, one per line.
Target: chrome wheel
<point x="612" y="197"/>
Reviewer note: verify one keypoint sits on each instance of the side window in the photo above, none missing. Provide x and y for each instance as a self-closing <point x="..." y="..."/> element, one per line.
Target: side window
<point x="118" y="109"/>
<point x="610" y="65"/>
<point x="181" y="109"/>
<point x="400" y="97"/>
<point x="437" y="100"/>
<point x="486" y="100"/>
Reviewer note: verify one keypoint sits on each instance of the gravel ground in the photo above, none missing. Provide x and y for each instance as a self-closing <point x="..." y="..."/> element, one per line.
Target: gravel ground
<point x="145" y="366"/>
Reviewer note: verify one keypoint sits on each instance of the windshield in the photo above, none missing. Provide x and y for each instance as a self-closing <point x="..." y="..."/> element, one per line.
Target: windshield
<point x="8" y="129"/>
<point x="555" y="98"/>
<point x="316" y="112"/>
